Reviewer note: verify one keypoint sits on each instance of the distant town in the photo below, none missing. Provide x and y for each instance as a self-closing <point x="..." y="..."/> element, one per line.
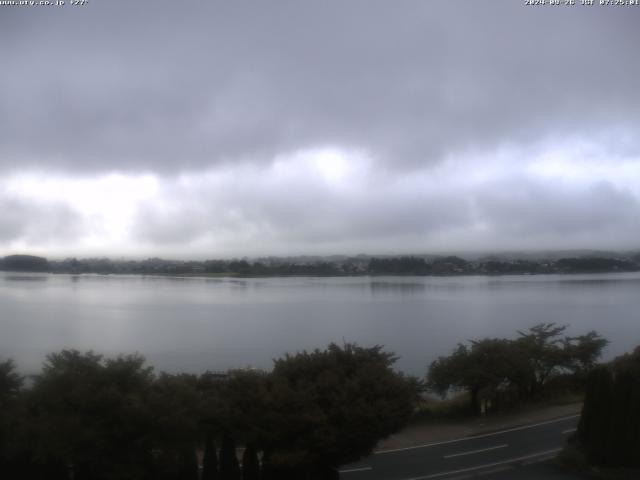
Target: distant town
<point x="502" y="264"/>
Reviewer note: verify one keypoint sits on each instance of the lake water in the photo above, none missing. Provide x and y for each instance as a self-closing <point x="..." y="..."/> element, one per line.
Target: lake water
<point x="195" y="324"/>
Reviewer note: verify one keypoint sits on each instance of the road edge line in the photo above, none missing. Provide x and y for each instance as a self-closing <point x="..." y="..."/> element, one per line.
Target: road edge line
<point x="471" y="452"/>
<point x="473" y="437"/>
<point x="356" y="469"/>
<point x="488" y="465"/>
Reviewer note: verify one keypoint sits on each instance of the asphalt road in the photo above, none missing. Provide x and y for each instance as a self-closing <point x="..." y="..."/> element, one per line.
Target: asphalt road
<point x="488" y="453"/>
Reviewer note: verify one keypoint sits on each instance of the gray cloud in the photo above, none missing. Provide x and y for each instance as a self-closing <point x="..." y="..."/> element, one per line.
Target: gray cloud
<point x="36" y="223"/>
<point x="430" y="94"/>
<point x="506" y="212"/>
<point x="520" y="209"/>
<point x="166" y="86"/>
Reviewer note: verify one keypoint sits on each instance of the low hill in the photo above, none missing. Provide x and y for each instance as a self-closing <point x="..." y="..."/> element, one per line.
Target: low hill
<point x="24" y="263"/>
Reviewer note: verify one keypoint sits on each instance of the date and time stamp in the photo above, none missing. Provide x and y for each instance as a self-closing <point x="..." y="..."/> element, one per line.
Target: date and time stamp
<point x="566" y="3"/>
<point x="584" y="3"/>
<point x="43" y="3"/>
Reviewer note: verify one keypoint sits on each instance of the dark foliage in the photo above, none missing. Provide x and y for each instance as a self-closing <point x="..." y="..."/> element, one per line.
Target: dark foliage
<point x="209" y="459"/>
<point x="331" y="407"/>
<point x="92" y="414"/>
<point x="10" y="386"/>
<point x="229" y="466"/>
<point x="498" y="369"/>
<point x="609" y="428"/>
<point x="399" y="266"/>
<point x="595" y="264"/>
<point x="95" y="418"/>
<point x="250" y="463"/>
<point x="327" y="266"/>
<point x="24" y="263"/>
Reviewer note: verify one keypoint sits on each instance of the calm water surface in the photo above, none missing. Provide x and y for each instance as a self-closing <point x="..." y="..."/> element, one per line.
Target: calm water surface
<point x="195" y="324"/>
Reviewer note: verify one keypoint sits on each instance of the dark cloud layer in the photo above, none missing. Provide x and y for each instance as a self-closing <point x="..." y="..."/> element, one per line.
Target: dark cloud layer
<point x="178" y="85"/>
<point x="405" y="214"/>
<point x="334" y="126"/>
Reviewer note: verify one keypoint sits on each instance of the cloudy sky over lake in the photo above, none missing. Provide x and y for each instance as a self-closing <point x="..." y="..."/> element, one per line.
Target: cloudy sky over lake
<point x="219" y="128"/>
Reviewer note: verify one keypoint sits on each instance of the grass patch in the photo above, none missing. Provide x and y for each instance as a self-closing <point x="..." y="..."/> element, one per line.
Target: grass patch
<point x="458" y="407"/>
<point x="436" y="409"/>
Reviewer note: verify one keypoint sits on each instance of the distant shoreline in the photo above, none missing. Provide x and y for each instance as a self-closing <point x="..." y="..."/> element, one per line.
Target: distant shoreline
<point x="437" y="266"/>
<point x="359" y="275"/>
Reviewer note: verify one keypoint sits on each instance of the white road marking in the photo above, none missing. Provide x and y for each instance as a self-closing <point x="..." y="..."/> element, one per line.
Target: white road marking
<point x="471" y="452"/>
<point x="487" y="465"/>
<point x="524" y="427"/>
<point x="359" y="469"/>
<point x="569" y="430"/>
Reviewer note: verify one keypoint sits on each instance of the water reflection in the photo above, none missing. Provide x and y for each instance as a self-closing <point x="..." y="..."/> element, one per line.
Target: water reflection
<point x="26" y="278"/>
<point x="216" y="323"/>
<point x="393" y="288"/>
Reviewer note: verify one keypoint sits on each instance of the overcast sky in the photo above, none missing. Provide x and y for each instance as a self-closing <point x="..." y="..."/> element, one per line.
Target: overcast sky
<point x="205" y="128"/>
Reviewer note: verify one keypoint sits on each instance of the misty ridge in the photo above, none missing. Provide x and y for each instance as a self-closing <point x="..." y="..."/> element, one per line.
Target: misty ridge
<point x="496" y="264"/>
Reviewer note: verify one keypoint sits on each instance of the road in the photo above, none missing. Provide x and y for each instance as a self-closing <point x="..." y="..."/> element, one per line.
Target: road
<point x="490" y="452"/>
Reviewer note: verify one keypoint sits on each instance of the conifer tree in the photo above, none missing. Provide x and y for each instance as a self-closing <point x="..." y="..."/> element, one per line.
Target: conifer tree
<point x="189" y="464"/>
<point x="594" y="423"/>
<point x="229" y="466"/>
<point x="250" y="464"/>
<point x="210" y="460"/>
<point x="609" y="428"/>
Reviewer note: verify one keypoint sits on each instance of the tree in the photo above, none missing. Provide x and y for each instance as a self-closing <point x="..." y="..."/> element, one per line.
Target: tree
<point x="486" y="365"/>
<point x="91" y="413"/>
<point x="541" y="348"/>
<point x="399" y="266"/>
<point x="522" y="366"/>
<point x="209" y="459"/>
<point x="609" y="428"/>
<point x="331" y="407"/>
<point x="250" y="464"/>
<point x="10" y="381"/>
<point x="239" y="405"/>
<point x="596" y="414"/>
<point x="229" y="466"/>
<point x="173" y="403"/>
<point x="546" y="353"/>
<point x="24" y="263"/>
<point x="10" y="388"/>
<point x="583" y="351"/>
<point x="188" y="464"/>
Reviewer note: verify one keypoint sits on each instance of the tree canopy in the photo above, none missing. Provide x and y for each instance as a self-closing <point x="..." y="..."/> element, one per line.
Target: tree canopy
<point x="333" y="406"/>
<point x="609" y="428"/>
<point x="96" y="418"/>
<point x="522" y="366"/>
<point x="24" y="263"/>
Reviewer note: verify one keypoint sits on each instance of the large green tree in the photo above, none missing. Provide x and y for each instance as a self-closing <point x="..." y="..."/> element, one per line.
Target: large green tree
<point x="609" y="428"/>
<point x="91" y="414"/>
<point x="522" y="366"/>
<point x="250" y="463"/>
<point x="229" y="465"/>
<point x="330" y="407"/>
<point x="95" y="418"/>
<point x="484" y="365"/>
<point x="10" y="388"/>
<point x="173" y="403"/>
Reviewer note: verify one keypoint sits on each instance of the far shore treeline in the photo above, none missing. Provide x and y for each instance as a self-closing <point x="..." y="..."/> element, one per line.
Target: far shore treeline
<point x="593" y="262"/>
